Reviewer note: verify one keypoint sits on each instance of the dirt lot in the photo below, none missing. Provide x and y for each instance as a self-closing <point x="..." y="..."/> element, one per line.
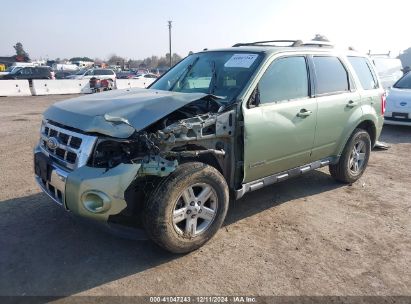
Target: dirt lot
<point x="307" y="236"/>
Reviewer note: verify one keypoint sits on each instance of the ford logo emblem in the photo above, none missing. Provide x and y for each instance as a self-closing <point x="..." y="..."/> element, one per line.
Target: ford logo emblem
<point x="403" y="103"/>
<point x="52" y="143"/>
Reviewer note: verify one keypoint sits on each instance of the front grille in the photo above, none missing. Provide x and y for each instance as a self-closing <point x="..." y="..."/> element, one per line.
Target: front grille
<point x="69" y="149"/>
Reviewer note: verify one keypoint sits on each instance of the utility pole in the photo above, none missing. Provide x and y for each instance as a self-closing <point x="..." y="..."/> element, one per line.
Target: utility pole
<point x="169" y="40"/>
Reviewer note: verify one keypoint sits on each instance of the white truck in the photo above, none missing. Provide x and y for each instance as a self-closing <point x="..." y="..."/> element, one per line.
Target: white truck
<point x="389" y="69"/>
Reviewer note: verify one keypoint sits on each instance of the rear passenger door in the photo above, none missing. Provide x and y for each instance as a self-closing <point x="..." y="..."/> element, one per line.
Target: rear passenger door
<point x="338" y="104"/>
<point x="279" y="130"/>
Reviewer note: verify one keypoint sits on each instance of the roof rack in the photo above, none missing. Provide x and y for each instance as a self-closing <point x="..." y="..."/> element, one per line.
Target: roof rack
<point x="289" y="43"/>
<point x="375" y="54"/>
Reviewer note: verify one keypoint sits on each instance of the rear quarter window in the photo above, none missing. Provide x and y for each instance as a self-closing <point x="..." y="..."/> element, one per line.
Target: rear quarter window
<point x="331" y="75"/>
<point x="364" y="72"/>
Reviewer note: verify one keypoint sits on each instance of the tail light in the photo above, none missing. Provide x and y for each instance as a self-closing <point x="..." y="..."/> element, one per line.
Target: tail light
<point x="383" y="103"/>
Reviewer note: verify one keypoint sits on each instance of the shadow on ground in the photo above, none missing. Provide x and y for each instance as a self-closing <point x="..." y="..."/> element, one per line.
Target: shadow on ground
<point x="44" y="251"/>
<point x="392" y="134"/>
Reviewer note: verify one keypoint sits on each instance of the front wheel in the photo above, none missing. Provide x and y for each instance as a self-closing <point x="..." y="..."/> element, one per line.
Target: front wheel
<point x="187" y="208"/>
<point x="354" y="158"/>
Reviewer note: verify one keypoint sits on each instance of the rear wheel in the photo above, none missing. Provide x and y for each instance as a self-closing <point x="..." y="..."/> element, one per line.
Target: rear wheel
<point x="187" y="208"/>
<point x="354" y="158"/>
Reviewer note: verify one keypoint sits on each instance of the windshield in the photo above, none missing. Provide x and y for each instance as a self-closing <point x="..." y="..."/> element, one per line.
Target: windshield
<point x="13" y="70"/>
<point x="404" y="82"/>
<point x="223" y="74"/>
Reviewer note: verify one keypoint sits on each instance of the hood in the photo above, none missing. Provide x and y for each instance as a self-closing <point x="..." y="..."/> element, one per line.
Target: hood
<point x="118" y="113"/>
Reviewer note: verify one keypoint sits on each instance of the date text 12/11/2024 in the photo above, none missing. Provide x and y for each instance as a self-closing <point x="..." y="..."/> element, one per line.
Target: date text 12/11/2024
<point x="203" y="299"/>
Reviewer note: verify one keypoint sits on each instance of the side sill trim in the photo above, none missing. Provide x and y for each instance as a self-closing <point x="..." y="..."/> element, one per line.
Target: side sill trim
<point x="278" y="177"/>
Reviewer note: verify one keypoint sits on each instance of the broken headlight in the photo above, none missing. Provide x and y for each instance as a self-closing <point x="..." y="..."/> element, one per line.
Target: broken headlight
<point x="110" y="153"/>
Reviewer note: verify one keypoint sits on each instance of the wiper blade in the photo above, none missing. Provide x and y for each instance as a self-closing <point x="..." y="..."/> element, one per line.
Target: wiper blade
<point x="185" y="73"/>
<point x="213" y="82"/>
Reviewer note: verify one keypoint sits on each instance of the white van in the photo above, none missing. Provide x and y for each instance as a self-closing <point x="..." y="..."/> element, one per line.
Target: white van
<point x="389" y="69"/>
<point x="64" y="67"/>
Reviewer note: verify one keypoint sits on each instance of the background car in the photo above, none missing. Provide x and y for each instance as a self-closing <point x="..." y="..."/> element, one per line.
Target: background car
<point x="10" y="69"/>
<point x="148" y="75"/>
<point x="63" y="74"/>
<point x="126" y="74"/>
<point x="96" y="73"/>
<point x="41" y="72"/>
<point x="398" y="106"/>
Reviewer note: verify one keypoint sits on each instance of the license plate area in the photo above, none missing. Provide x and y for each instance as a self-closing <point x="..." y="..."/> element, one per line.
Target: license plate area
<point x="400" y="115"/>
<point x="42" y="167"/>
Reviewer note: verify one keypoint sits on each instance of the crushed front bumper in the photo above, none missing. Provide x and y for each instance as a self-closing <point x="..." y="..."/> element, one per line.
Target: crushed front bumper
<point x="93" y="193"/>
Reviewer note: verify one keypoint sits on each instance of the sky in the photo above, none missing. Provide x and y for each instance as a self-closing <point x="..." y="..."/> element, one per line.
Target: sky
<point x="136" y="29"/>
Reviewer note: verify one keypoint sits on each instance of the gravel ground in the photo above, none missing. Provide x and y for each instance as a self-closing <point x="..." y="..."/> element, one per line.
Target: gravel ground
<point x="307" y="236"/>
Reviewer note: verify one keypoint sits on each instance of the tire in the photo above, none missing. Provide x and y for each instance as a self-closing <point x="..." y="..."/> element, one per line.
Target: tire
<point x="175" y="218"/>
<point x="352" y="163"/>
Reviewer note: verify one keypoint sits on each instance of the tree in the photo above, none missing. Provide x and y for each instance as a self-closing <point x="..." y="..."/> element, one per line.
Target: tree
<point x="176" y="58"/>
<point x="21" y="54"/>
<point x="319" y="37"/>
<point x="116" y="60"/>
<point x="81" y="59"/>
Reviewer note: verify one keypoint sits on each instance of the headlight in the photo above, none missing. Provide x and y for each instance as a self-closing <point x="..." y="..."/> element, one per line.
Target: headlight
<point x="109" y="153"/>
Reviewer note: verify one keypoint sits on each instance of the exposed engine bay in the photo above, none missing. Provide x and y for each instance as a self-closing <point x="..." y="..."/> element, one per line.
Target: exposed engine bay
<point x="200" y="130"/>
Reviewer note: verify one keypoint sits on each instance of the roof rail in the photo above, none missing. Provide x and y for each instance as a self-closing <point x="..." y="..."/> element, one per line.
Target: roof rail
<point x="291" y="43"/>
<point x="375" y="54"/>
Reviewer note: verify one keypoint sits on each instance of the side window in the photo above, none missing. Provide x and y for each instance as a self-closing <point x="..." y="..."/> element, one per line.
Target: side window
<point x="285" y="79"/>
<point x="26" y="71"/>
<point x="332" y="77"/>
<point x="363" y="70"/>
<point x="88" y="73"/>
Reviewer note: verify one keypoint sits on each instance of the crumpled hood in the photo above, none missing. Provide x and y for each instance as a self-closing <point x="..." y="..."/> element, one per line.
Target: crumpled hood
<point x="118" y="113"/>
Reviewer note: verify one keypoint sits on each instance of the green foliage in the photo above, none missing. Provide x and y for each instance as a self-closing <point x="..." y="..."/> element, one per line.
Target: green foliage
<point x="152" y="62"/>
<point x="81" y="59"/>
<point x="21" y="54"/>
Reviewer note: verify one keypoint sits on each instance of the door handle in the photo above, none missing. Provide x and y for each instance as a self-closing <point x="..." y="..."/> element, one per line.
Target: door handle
<point x="304" y="113"/>
<point x="352" y="104"/>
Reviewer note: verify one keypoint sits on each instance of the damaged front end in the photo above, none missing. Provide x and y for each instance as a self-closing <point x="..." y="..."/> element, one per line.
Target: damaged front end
<point x="117" y="174"/>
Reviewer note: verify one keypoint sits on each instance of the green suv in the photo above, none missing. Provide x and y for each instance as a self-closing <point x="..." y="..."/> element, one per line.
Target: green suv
<point x="217" y="125"/>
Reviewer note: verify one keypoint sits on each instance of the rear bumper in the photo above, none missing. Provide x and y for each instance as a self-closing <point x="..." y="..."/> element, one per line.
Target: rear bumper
<point x="92" y="193"/>
<point x="397" y="121"/>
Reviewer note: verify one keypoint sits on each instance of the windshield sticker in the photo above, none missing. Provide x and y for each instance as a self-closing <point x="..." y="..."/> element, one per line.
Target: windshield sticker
<point x="241" y="61"/>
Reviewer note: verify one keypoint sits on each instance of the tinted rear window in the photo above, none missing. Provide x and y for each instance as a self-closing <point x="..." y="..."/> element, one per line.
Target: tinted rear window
<point x="404" y="82"/>
<point x="331" y="75"/>
<point x="103" y="72"/>
<point x="363" y="71"/>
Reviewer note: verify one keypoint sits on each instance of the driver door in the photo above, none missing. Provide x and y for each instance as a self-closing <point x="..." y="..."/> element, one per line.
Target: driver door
<point x="279" y="130"/>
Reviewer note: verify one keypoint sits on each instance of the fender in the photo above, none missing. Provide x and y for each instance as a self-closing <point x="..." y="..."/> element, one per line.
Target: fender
<point x="364" y="114"/>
